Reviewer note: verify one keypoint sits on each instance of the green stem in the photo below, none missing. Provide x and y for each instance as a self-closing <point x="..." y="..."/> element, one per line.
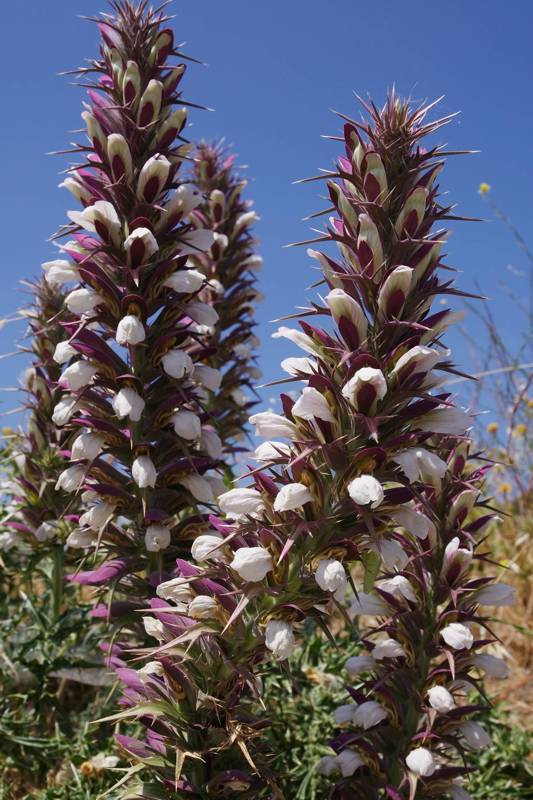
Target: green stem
<point x="58" y="579"/>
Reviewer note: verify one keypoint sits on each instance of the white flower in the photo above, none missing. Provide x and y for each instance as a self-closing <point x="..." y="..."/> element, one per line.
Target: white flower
<point x="82" y="301"/>
<point x="421" y="762"/>
<point x="154" y="627"/>
<point x="71" y="479"/>
<point x="295" y="366"/>
<point x="440" y="699"/>
<point x="343" y="715"/>
<point x="203" y="607"/>
<point x="399" y="587"/>
<point x="388" y="648"/>
<point x="144" y="472"/>
<point x="348" y="762"/>
<point x="208" y="545"/>
<point x="279" y="638"/>
<point x="211" y="442"/>
<point x="196" y="242"/>
<point x="297" y="337"/>
<point x="177" y="364"/>
<point x="475" y="736"/>
<point x="202" y="313"/>
<point x="63" y="352"/>
<point x="444" y="419"/>
<point x="185" y="281"/>
<point x="185" y="199"/>
<point x="153" y="177"/>
<point x="492" y="666"/>
<point x="252" y="563"/>
<point x="78" y="375"/>
<point x="496" y="594"/>
<point x="156" y="537"/>
<point x="358" y="664"/>
<point x="327" y="765"/>
<point x="342" y="305"/>
<point x="208" y="377"/>
<point x="87" y="445"/>
<point x="392" y="554"/>
<point x="127" y="403"/>
<point x="413" y="521"/>
<point x="371" y="605"/>
<point x="269" y="451"/>
<point x="8" y="540"/>
<point x="458" y="793"/>
<point x="366" y="490"/>
<point x="187" y="425"/>
<point x="79" y="539"/>
<point x="140" y="245"/>
<point x="59" y="271"/>
<point x="240" y="397"/>
<point x="365" y="388"/>
<point x="457" y="557"/>
<point x="312" y="405"/>
<point x="45" y="531"/>
<point x="418" y="463"/>
<point x="291" y="496"/>
<point x="330" y="575"/>
<point x="268" y="424"/>
<point x="130" y="330"/>
<point x="97" y="516"/>
<point x="199" y="487"/>
<point x="369" y="714"/>
<point x="418" y="359"/>
<point x="458" y="636"/>
<point x="64" y="410"/>
<point x="102" y="214"/>
<point x="239" y="502"/>
<point x="177" y="589"/>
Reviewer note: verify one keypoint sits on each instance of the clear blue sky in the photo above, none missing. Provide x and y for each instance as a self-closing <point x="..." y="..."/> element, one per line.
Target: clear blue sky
<point x="275" y="70"/>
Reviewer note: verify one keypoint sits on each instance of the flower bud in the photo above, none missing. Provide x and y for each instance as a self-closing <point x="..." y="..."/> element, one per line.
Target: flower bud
<point x="140" y="245"/>
<point x="171" y="127"/>
<point x="349" y="317"/>
<point x="177" y="589"/>
<point x="63" y="352"/>
<point x="348" y="762"/>
<point x="154" y="627"/>
<point x="208" y="377"/>
<point x="83" y="301"/>
<point x="457" y="636"/>
<point x="156" y="537"/>
<point x="416" y="361"/>
<point x="358" y="664"/>
<point x="388" y="648"/>
<point x="87" y="445"/>
<point x="77" y="376"/>
<point x="144" y="472"/>
<point x="59" y="271"/>
<point x="150" y="103"/>
<point x="300" y="339"/>
<point x="269" y="451"/>
<point x="421" y="762"/>
<point x="292" y="496"/>
<point x="279" y="638"/>
<point x="475" y="735"/>
<point x="127" y="403"/>
<point x="177" y="364"/>
<point x="268" y="424"/>
<point x="119" y="156"/>
<point x="79" y="539"/>
<point x="327" y="766"/>
<point x="412" y="213"/>
<point x="364" y="389"/>
<point x="130" y="330"/>
<point x="97" y="516"/>
<point x="371" y="605"/>
<point x="45" y="532"/>
<point x="153" y="178"/>
<point x="492" y="666"/>
<point x="202" y="313"/>
<point x="369" y="247"/>
<point x="71" y="479"/>
<point x="446" y="420"/>
<point x="366" y="490"/>
<point x="208" y="546"/>
<point x="185" y="281"/>
<point x="312" y="405"/>
<point x="95" y="133"/>
<point x="394" y="291"/>
<point x="252" y="563"/>
<point x="131" y="83"/>
<point x="440" y="699"/>
<point x="296" y="366"/>
<point x="369" y="714"/>
<point x="203" y="607"/>
<point x="417" y="463"/>
<point x="211" y="443"/>
<point x="187" y="425"/>
<point x="496" y="594"/>
<point x="330" y="575"/>
<point x="199" y="487"/>
<point x="64" y="410"/>
<point x="399" y="587"/>
<point x="100" y="218"/>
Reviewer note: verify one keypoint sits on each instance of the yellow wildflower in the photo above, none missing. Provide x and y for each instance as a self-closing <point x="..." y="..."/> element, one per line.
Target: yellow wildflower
<point x="520" y="429"/>
<point x="505" y="488"/>
<point x="484" y="188"/>
<point x="492" y="427"/>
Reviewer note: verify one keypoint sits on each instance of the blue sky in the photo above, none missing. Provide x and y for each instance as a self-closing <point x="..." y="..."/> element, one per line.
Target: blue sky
<point x="275" y="69"/>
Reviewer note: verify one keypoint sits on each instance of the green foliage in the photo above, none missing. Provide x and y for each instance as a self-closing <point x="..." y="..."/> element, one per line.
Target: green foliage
<point x="504" y="772"/>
